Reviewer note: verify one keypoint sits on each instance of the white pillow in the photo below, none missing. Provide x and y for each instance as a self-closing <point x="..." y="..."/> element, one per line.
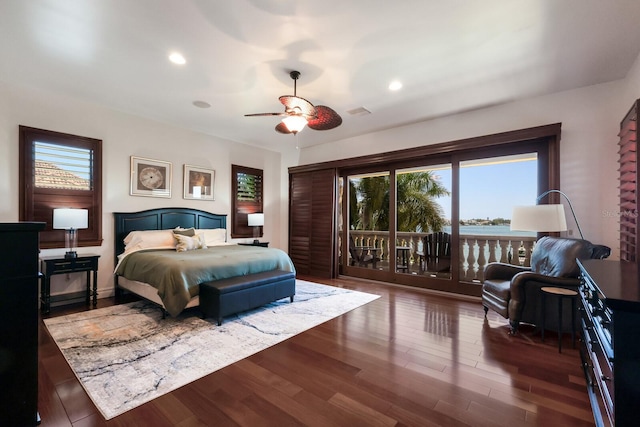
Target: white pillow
<point x="213" y="236"/>
<point x="186" y="243"/>
<point x="150" y="239"/>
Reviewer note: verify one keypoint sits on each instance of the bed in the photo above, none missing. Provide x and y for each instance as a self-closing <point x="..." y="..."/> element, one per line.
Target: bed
<point x="174" y="280"/>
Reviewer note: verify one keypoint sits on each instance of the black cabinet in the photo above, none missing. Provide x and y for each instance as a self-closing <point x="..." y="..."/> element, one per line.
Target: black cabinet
<point x="19" y="323"/>
<point x="610" y="341"/>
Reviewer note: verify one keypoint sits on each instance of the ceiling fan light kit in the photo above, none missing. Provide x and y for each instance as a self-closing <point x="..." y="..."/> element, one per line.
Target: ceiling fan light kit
<point x="294" y="123"/>
<point x="299" y="113"/>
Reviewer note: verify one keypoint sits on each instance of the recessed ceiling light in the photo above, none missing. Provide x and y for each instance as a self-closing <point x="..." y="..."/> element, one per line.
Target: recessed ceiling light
<point x="201" y="104"/>
<point x="395" y="85"/>
<point x="177" y="58"/>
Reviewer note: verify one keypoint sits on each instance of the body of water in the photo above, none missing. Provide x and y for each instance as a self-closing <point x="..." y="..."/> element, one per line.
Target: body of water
<point x="490" y="230"/>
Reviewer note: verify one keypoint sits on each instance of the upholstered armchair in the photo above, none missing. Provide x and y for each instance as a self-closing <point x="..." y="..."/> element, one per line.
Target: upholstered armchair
<point x="514" y="292"/>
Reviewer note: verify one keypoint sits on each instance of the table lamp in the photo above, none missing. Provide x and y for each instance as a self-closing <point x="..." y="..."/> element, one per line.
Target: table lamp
<point x="70" y="220"/>
<point x="256" y="220"/>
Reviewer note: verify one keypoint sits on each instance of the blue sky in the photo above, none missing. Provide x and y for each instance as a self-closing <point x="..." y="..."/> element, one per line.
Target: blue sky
<point x="492" y="191"/>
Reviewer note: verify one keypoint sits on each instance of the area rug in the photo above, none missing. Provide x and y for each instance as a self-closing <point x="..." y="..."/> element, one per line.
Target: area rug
<point x="126" y="355"/>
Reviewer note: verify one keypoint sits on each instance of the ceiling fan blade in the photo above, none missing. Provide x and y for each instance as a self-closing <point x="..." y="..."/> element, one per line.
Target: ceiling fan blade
<point x="295" y="104"/>
<point x="282" y="128"/>
<point x="326" y="118"/>
<point x="265" y="114"/>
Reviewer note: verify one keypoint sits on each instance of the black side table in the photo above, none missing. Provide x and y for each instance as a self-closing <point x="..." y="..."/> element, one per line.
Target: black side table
<point x="262" y="244"/>
<point x="60" y="265"/>
<point x="561" y="294"/>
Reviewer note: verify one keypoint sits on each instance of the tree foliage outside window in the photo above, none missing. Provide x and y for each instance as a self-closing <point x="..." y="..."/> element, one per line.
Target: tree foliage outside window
<point x="417" y="211"/>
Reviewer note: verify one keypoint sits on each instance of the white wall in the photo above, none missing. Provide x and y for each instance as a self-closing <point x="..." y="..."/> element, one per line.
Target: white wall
<point x="122" y="136"/>
<point x="590" y="120"/>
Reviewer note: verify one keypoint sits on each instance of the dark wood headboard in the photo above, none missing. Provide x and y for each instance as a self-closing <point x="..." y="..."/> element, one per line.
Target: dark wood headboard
<point x="162" y="219"/>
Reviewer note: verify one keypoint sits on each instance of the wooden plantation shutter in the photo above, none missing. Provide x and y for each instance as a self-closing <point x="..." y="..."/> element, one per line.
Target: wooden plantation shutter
<point x="59" y="170"/>
<point x="247" y="193"/>
<point x="312" y="243"/>
<point x="629" y="250"/>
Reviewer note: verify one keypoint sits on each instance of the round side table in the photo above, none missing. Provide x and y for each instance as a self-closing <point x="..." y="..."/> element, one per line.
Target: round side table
<point x="561" y="294"/>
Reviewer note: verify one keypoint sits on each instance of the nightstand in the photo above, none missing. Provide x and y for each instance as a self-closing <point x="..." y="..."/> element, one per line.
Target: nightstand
<point x="60" y="265"/>
<point x="262" y="244"/>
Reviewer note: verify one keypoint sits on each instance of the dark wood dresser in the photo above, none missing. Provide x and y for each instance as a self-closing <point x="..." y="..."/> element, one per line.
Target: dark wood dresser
<point x="19" y="323"/>
<point x="610" y="336"/>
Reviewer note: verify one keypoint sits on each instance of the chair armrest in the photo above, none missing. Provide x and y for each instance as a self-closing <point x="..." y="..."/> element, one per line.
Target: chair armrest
<point x="600" y="252"/>
<point x="521" y="280"/>
<point x="502" y="271"/>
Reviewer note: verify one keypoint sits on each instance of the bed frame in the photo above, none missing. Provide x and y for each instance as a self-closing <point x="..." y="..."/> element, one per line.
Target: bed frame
<point x="158" y="219"/>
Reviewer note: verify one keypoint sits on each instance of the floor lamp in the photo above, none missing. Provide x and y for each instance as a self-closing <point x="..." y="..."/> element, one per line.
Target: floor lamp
<point x="543" y="217"/>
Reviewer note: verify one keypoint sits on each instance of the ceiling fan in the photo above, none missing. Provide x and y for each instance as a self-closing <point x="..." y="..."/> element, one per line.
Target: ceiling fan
<point x="299" y="112"/>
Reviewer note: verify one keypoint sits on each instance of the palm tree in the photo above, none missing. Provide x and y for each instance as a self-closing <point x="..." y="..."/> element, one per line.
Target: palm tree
<point x="417" y="208"/>
<point x="373" y="208"/>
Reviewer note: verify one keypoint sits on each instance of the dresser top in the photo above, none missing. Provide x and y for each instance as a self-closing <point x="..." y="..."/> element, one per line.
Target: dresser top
<point x="22" y="226"/>
<point x="617" y="281"/>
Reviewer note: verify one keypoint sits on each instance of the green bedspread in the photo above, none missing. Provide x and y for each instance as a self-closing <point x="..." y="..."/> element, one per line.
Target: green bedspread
<point x="177" y="275"/>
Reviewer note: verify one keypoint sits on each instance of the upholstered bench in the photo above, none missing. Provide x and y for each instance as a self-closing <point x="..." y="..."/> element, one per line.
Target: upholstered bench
<point x="220" y="298"/>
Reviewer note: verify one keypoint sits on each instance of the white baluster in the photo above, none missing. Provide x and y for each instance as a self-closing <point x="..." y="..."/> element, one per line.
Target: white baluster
<point x="504" y="250"/>
<point x="492" y="250"/>
<point x="482" y="244"/>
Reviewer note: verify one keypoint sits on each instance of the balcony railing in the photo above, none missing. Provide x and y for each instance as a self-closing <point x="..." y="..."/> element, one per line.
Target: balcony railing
<point x="476" y="251"/>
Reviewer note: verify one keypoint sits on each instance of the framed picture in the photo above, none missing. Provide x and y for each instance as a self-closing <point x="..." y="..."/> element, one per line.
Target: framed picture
<point x="198" y="183"/>
<point x="150" y="177"/>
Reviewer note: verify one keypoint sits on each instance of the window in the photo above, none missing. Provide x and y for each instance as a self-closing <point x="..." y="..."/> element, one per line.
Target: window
<point x="59" y="170"/>
<point x="247" y="198"/>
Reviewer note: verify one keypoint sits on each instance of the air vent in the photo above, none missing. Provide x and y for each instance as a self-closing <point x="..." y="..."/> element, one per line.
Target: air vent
<point x="201" y="104"/>
<point x="360" y="111"/>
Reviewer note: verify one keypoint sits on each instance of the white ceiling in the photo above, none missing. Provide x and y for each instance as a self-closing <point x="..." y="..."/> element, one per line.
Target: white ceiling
<point x="451" y="56"/>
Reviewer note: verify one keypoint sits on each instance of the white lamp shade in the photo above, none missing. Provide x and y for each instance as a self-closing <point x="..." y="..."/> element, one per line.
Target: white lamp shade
<point x="67" y="218"/>
<point x="256" y="219"/>
<point x="539" y="218"/>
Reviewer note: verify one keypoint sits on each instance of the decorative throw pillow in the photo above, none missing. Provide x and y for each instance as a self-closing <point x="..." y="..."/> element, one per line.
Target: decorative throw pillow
<point x="213" y="236"/>
<point x="185" y="231"/>
<point x="186" y="243"/>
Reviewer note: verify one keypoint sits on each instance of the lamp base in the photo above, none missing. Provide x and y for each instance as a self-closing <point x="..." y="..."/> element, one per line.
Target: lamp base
<point x="71" y="255"/>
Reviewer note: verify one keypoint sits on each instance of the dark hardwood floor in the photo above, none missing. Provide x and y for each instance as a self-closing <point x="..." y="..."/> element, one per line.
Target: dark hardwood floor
<point x="409" y="358"/>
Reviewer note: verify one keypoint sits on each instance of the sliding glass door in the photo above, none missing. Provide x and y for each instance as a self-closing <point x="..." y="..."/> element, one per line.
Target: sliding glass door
<point x="437" y="219"/>
<point x="489" y="188"/>
<point x="367" y="219"/>
<point x="423" y="221"/>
